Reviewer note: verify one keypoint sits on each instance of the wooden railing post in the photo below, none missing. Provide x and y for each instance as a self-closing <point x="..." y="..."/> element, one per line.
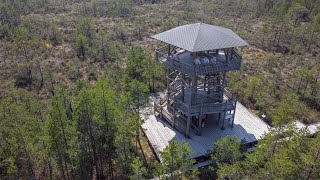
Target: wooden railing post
<point x="174" y="116"/>
<point x="234" y="113"/>
<point x="157" y="55"/>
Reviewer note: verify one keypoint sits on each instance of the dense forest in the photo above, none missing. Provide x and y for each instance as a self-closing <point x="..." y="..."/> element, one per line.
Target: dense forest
<point x="75" y="73"/>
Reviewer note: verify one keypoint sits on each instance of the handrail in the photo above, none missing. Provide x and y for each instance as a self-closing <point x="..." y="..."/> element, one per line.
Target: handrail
<point x="236" y="57"/>
<point x="162" y="55"/>
<point x="206" y="107"/>
<point x="163" y="47"/>
<point x="229" y="94"/>
<point x="163" y="100"/>
<point x="236" y="54"/>
<point x="199" y="69"/>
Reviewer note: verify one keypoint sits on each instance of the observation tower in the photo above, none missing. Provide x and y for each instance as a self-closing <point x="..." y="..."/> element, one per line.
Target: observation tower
<point x="198" y="57"/>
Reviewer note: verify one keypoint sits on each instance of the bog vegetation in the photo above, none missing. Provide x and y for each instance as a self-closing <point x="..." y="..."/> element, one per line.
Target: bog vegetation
<point x="74" y="75"/>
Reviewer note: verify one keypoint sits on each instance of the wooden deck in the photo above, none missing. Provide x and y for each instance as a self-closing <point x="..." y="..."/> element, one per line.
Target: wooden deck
<point x="313" y="128"/>
<point x="247" y="127"/>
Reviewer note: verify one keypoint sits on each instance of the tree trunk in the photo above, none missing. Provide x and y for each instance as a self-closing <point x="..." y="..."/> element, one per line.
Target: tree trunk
<point x="305" y="88"/>
<point x="312" y="167"/>
<point x="144" y="156"/>
<point x="30" y="163"/>
<point x="92" y="144"/>
<point x="279" y="38"/>
<point x="61" y="164"/>
<point x="41" y="74"/>
<point x="66" y="147"/>
<point x="52" y="86"/>
<point x="275" y="37"/>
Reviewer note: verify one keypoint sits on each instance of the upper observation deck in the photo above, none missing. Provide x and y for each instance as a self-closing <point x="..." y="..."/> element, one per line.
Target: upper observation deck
<point x="200" y="49"/>
<point x="200" y="63"/>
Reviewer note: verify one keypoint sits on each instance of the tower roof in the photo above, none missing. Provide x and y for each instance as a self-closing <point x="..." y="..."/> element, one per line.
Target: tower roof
<point x="200" y="37"/>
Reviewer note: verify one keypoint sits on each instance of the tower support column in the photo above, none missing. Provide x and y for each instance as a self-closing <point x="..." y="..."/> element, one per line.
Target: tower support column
<point x="222" y="116"/>
<point x="200" y="125"/>
<point x="174" y="117"/>
<point x="188" y="126"/>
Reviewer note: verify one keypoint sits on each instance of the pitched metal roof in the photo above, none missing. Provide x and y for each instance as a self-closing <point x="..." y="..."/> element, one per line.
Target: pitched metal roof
<point x="200" y="37"/>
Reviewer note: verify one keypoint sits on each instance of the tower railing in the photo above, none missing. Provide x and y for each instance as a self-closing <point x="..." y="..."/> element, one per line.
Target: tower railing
<point x="198" y="69"/>
<point x="228" y="104"/>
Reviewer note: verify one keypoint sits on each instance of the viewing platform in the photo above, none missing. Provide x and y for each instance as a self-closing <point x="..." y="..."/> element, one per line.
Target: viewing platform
<point x="248" y="128"/>
<point x="205" y="63"/>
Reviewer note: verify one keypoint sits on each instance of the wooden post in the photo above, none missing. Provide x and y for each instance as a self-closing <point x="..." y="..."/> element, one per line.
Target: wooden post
<point x="200" y="118"/>
<point x="205" y="84"/>
<point x="189" y="110"/>
<point x="184" y="78"/>
<point x="183" y="94"/>
<point x="210" y="83"/>
<point x="219" y="118"/>
<point x="223" y="85"/>
<point x="230" y="53"/>
<point x="168" y="91"/>
<point x="188" y="126"/>
<point x="193" y="89"/>
<point x="226" y="54"/>
<point x="157" y="55"/>
<point x="222" y="117"/>
<point x="234" y="113"/>
<point x="200" y="125"/>
<point x="218" y="88"/>
<point x="174" y="117"/>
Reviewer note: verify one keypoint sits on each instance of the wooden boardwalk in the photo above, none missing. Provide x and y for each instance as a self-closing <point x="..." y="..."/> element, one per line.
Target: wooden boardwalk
<point x="313" y="128"/>
<point x="247" y="127"/>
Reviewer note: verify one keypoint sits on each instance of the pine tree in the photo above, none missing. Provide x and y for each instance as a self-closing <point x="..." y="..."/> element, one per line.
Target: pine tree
<point x="21" y="150"/>
<point x="61" y="135"/>
<point x="123" y="137"/>
<point x="226" y="150"/>
<point x="104" y="102"/>
<point x="176" y="160"/>
<point x="137" y="169"/>
<point x="86" y="127"/>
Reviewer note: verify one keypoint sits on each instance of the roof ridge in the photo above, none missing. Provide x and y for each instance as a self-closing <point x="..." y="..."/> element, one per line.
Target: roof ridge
<point x="197" y="35"/>
<point x="223" y="32"/>
<point x="210" y="28"/>
<point x="216" y="28"/>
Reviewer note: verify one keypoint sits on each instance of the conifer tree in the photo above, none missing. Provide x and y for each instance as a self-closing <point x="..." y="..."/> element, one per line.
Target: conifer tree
<point x="104" y="103"/>
<point x="61" y="136"/>
<point x="176" y="160"/>
<point x="86" y="127"/>
<point x="226" y="150"/>
<point x="21" y="150"/>
<point x="138" y="170"/>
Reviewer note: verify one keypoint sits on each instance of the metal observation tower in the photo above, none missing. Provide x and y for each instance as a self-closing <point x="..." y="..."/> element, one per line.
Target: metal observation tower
<point x="198" y="57"/>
